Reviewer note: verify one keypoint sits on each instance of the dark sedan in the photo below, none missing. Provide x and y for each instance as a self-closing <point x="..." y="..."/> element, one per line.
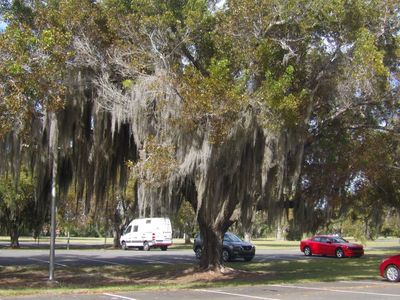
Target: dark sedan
<point x="233" y="247"/>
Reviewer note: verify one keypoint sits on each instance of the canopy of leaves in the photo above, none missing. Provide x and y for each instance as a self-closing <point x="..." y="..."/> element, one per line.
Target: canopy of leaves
<point x="241" y="105"/>
<point x="17" y="205"/>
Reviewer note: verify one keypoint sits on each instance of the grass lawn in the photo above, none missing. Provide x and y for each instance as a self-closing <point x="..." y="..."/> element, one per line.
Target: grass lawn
<point x="33" y="279"/>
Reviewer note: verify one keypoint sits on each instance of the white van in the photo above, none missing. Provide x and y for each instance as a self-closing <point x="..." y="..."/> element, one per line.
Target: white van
<point x="147" y="233"/>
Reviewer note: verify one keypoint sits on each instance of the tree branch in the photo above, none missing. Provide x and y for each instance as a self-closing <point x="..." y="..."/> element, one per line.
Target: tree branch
<point x="195" y="62"/>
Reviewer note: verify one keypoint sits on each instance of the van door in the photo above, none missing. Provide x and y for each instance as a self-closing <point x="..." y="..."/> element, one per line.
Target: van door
<point x="135" y="239"/>
<point x="148" y="232"/>
<point x="125" y="238"/>
<point x="167" y="231"/>
<point x="163" y="234"/>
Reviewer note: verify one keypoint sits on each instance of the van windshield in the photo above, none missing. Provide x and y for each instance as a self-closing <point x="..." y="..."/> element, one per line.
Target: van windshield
<point x="128" y="230"/>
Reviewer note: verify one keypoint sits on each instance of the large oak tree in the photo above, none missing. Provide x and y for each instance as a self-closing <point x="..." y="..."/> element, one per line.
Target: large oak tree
<point x="213" y="102"/>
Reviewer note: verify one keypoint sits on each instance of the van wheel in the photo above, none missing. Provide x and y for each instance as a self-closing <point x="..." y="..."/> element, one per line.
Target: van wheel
<point x="146" y="246"/>
<point x="123" y="245"/>
<point x="164" y="248"/>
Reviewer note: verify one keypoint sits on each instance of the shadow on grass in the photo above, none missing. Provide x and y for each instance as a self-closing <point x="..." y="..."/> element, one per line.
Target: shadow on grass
<point x="27" y="278"/>
<point x="320" y="269"/>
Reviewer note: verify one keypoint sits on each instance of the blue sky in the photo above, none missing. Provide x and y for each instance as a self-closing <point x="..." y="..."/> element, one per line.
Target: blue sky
<point x="2" y="25"/>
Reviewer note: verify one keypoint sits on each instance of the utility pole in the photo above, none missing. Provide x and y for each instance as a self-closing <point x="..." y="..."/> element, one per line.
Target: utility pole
<point x="53" y="143"/>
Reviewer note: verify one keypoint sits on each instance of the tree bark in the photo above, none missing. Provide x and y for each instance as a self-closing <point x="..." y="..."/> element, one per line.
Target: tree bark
<point x="247" y="217"/>
<point x="116" y="236"/>
<point x="116" y="229"/>
<point x="212" y="248"/>
<point x="279" y="231"/>
<point x="187" y="238"/>
<point x="248" y="236"/>
<point x="14" y="237"/>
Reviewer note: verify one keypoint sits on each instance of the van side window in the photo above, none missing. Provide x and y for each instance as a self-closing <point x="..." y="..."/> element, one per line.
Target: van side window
<point x="135" y="228"/>
<point x="128" y="229"/>
<point x="148" y="221"/>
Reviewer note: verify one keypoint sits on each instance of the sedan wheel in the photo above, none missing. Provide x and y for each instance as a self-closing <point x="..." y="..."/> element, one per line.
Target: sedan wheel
<point x="198" y="252"/>
<point x="392" y="273"/>
<point x="225" y="255"/>
<point x="307" y="251"/>
<point x="339" y="253"/>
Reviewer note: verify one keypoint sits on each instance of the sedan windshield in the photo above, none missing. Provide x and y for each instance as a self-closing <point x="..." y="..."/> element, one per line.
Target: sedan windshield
<point x="339" y="240"/>
<point x="231" y="237"/>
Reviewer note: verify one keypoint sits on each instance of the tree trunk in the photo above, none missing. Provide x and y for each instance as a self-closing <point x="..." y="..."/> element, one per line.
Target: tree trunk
<point x="279" y="231"/>
<point x="247" y="216"/>
<point x="187" y="238"/>
<point x="248" y="236"/>
<point x="212" y="249"/>
<point x="116" y="235"/>
<point x="116" y="229"/>
<point x="14" y="237"/>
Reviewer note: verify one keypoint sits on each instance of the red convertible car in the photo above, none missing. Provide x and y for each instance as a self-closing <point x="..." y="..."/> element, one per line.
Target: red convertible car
<point x="330" y="245"/>
<point x="390" y="268"/>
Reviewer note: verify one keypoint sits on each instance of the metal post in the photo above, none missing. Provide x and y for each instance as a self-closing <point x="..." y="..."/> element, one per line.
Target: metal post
<point x="52" y="228"/>
<point x="54" y="156"/>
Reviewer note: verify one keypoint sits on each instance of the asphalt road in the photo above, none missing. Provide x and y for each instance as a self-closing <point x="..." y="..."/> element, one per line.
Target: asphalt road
<point x="354" y="290"/>
<point x="73" y="258"/>
<point x="86" y="255"/>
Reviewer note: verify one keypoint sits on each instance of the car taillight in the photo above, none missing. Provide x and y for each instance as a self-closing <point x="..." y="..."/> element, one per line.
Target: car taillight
<point x="153" y="236"/>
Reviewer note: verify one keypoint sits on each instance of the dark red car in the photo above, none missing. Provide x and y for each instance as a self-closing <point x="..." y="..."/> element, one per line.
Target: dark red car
<point x="390" y="268"/>
<point x="330" y="245"/>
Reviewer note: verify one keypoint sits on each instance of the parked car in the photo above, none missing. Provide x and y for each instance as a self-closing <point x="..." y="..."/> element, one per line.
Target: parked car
<point x="233" y="247"/>
<point x="390" y="268"/>
<point x="330" y="245"/>
<point x="147" y="233"/>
